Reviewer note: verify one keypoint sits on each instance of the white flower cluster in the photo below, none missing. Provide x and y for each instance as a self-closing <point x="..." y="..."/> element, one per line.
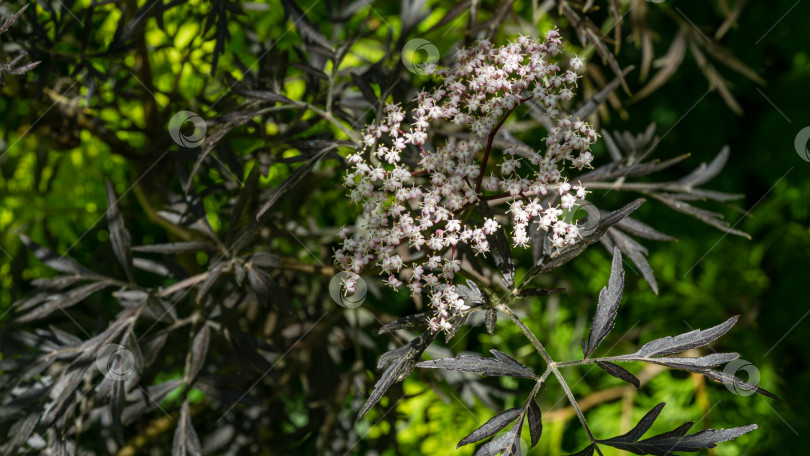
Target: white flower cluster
<point x="406" y="210"/>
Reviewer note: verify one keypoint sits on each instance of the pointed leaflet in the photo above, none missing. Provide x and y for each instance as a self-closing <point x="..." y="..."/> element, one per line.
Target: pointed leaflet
<point x="535" y="422"/>
<point x="308" y="31"/>
<point x="693" y="364"/>
<point x="407" y="322"/>
<point x="637" y="253"/>
<point x="400" y="368"/>
<point x="63" y="301"/>
<point x="509" y="443"/>
<point x="693" y="339"/>
<point x="513" y="442"/>
<point x="267" y="290"/>
<point x="587" y="451"/>
<point x="240" y="212"/>
<point x="290" y="182"/>
<point x="538" y="292"/>
<point x="186" y="441"/>
<point x="119" y="236"/>
<point x="196" y="356"/>
<point x="640" y="429"/>
<point x="491" y="427"/>
<point x="619" y="372"/>
<point x="609" y="299"/>
<point x="727" y="378"/>
<point x="675" y="440"/>
<point x="491" y="320"/>
<point x="705" y="173"/>
<point x="501" y="365"/>
<point x="52" y="260"/>
<point x="458" y="323"/>
<point x="470" y="293"/>
<point x="643" y="230"/>
<point x="174" y="247"/>
<point x="564" y="255"/>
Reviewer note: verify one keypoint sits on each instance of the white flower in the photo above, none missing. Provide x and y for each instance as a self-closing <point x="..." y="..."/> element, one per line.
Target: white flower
<point x="405" y="207"/>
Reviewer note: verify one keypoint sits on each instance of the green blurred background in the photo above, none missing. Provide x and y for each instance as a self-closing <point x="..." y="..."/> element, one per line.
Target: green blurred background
<point x="703" y="278"/>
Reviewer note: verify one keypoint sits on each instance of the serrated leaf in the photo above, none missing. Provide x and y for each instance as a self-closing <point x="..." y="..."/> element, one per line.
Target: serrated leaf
<point x="496" y="446"/>
<point x="727" y="378"/>
<point x="411" y="321"/>
<point x="289" y="183"/>
<point x="643" y="230"/>
<point x="491" y="427"/>
<point x="267" y="290"/>
<point x="240" y="219"/>
<point x="404" y="361"/>
<point x="457" y="323"/>
<point x="508" y="443"/>
<point x="672" y="441"/>
<point x="535" y="422"/>
<point x="186" y="442"/>
<point x="501" y="365"/>
<point x="309" y="32"/>
<point x="693" y="339"/>
<point x="704" y="172"/>
<point x="52" y="260"/>
<point x="197" y="355"/>
<point x="608" y="306"/>
<point x="119" y="236"/>
<point x="213" y="275"/>
<point x="513" y="442"/>
<point x="692" y="364"/>
<point x="266" y="260"/>
<point x="641" y="427"/>
<point x="587" y="451"/>
<point x="470" y="293"/>
<point x="63" y="301"/>
<point x="491" y="320"/>
<point x="539" y="292"/>
<point x="637" y="253"/>
<point x="453" y="12"/>
<point x="174" y="247"/>
<point x="564" y="255"/>
<point x="666" y="444"/>
<point x="365" y="89"/>
<point x="619" y="372"/>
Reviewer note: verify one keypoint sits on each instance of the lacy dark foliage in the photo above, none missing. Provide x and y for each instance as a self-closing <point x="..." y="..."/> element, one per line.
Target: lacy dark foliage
<point x="247" y="327"/>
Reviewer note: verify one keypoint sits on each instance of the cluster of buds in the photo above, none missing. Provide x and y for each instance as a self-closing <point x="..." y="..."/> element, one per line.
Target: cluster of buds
<point x="413" y="191"/>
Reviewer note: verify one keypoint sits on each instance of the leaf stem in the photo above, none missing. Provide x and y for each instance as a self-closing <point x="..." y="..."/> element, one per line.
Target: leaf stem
<point x="552" y="367"/>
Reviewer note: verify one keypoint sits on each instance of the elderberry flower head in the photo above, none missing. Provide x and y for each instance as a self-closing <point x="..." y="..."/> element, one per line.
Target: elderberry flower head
<point x="420" y="211"/>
